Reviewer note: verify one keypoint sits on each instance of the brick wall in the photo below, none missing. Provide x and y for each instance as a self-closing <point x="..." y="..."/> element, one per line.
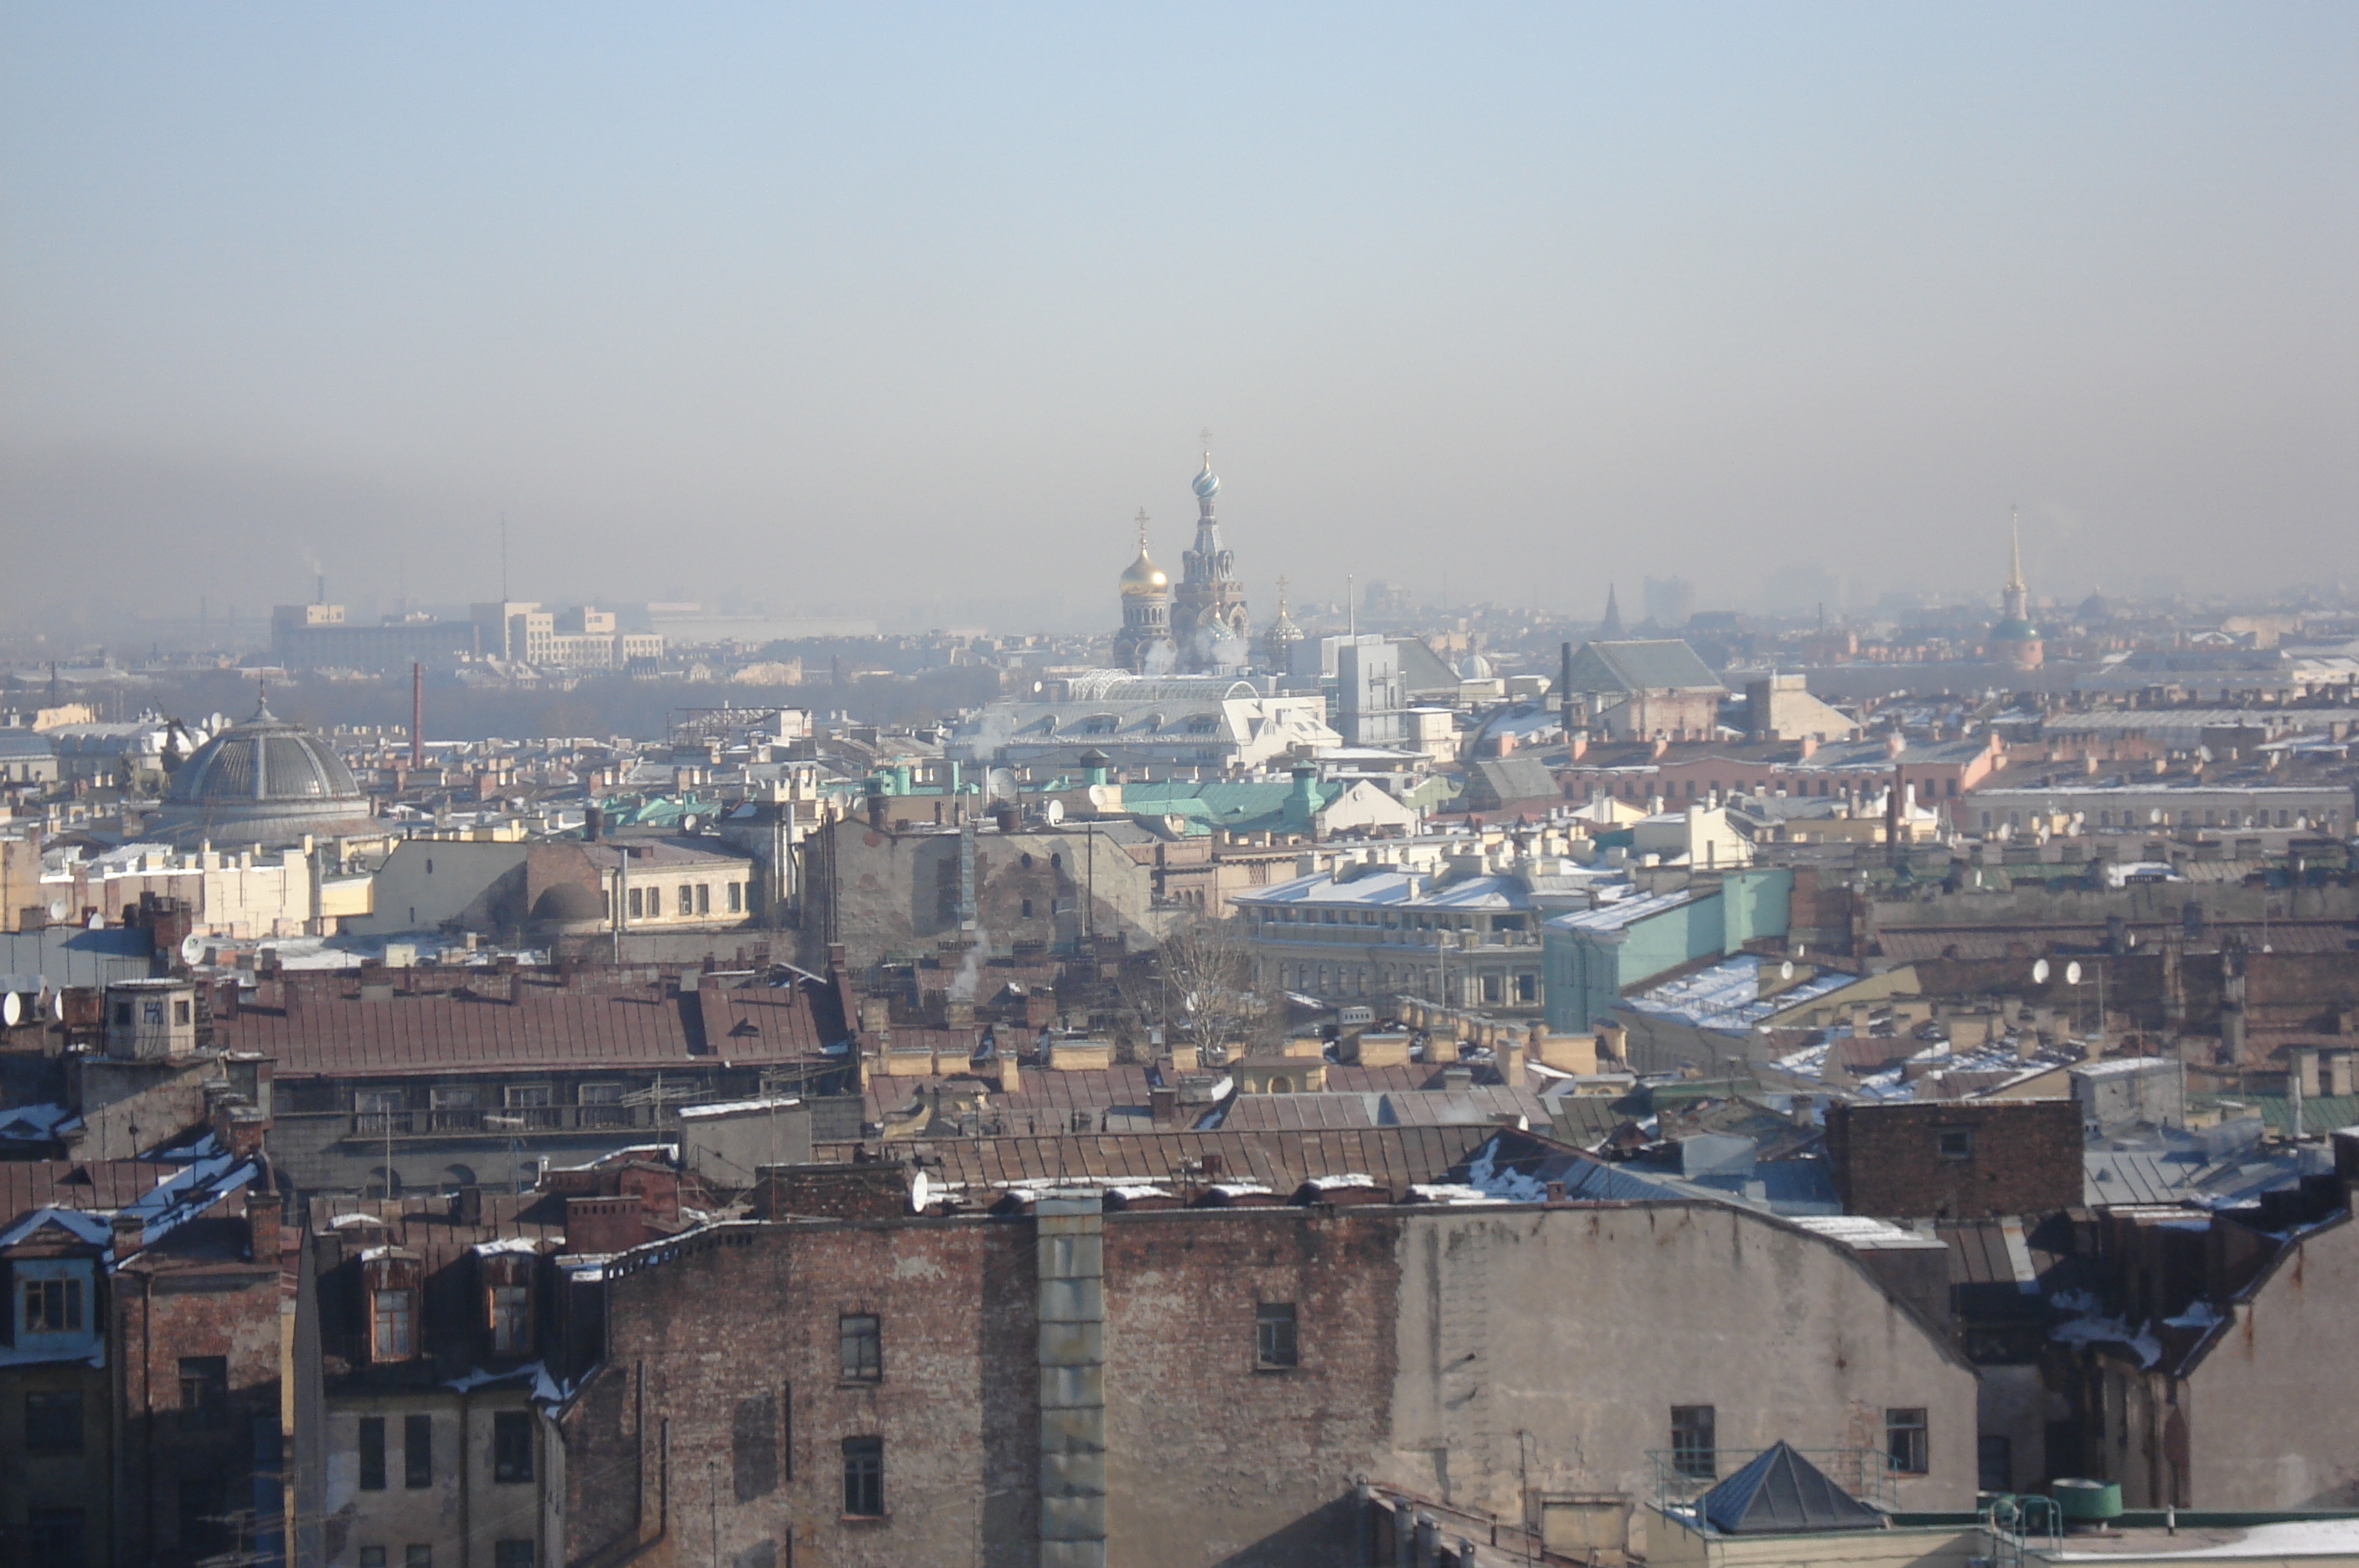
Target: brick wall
<point x="1956" y="1161"/>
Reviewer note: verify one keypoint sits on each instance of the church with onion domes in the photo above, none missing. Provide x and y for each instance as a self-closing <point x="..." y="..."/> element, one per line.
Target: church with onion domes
<point x="1201" y="627"/>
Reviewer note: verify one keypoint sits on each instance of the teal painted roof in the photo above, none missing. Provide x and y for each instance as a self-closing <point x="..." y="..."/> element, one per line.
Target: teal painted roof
<point x="1235" y="806"/>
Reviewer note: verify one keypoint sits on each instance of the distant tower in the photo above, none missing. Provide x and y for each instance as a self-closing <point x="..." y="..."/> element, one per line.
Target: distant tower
<point x="1144" y="644"/>
<point x="1278" y="641"/>
<point x="1209" y="608"/>
<point x="2015" y="641"/>
<point x="1610" y="629"/>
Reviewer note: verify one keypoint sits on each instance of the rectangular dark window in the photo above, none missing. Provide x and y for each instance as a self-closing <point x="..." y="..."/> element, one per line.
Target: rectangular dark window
<point x="1994" y="1463"/>
<point x="863" y="1477"/>
<point x="512" y="1555"/>
<point x="54" y="1535"/>
<point x="1905" y="1447"/>
<point x="1956" y="1143"/>
<point x="638" y="897"/>
<point x="704" y="898"/>
<point x="686" y="904"/>
<point x="204" y="1391"/>
<point x="1694" y="1446"/>
<point x="372" y="1454"/>
<point x="53" y="1423"/>
<point x="512" y="1445"/>
<point x="737" y="896"/>
<point x="860" y="1340"/>
<point x="372" y="1557"/>
<point x="418" y="1557"/>
<point x="417" y="1451"/>
<point x="1273" y="1342"/>
<point x="53" y="1306"/>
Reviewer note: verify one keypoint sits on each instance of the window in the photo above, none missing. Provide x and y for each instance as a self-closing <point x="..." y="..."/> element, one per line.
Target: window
<point x="1693" y="1448"/>
<point x="704" y="898"/>
<point x="686" y="902"/>
<point x="511" y="1320"/>
<point x="512" y="1555"/>
<point x="512" y="1445"/>
<point x="122" y="1013"/>
<point x="602" y="1105"/>
<point x="1273" y="1341"/>
<point x="151" y="1012"/>
<point x="53" y="1306"/>
<point x="737" y="896"/>
<point x="637" y="902"/>
<point x="1956" y="1143"/>
<point x="1994" y="1463"/>
<point x="372" y="1454"/>
<point x="1904" y="1441"/>
<point x="1027" y="909"/>
<point x="377" y="1111"/>
<point x="860" y="1337"/>
<point x="372" y="1557"/>
<point x="54" y="1535"/>
<point x="417" y="1452"/>
<point x="53" y="1423"/>
<point x="181" y="1012"/>
<point x="390" y="1318"/>
<point x="863" y="1477"/>
<point x="204" y="1391"/>
<point x="418" y="1557"/>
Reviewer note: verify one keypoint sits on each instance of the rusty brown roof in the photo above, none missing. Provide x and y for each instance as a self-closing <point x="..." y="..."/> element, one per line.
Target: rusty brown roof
<point x="97" y="1185"/>
<point x="323" y="1028"/>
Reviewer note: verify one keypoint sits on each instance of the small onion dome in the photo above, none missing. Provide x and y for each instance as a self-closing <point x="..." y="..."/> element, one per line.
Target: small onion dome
<point x="1208" y="484"/>
<point x="1145" y="576"/>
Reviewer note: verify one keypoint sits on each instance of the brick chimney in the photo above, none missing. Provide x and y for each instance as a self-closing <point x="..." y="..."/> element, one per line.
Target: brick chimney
<point x="262" y="1217"/>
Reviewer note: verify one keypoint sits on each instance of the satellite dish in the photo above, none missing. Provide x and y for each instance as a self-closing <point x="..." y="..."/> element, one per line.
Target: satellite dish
<point x="688" y="822"/>
<point x="999" y="785"/>
<point x="192" y="948"/>
<point x="1800" y="949"/>
<point x="58" y="908"/>
<point x="2073" y="973"/>
<point x="1054" y="810"/>
<point x="96" y="922"/>
<point x="12" y="1008"/>
<point x="2039" y="973"/>
<point x="1786" y="970"/>
<point x="921" y="1191"/>
<point x="58" y="1007"/>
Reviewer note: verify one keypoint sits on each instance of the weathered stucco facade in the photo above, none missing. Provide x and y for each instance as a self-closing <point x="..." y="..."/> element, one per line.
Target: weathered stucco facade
<point x="1480" y="1355"/>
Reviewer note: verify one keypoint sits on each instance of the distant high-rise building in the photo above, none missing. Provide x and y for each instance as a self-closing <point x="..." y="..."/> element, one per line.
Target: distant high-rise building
<point x="2015" y="641"/>
<point x="1208" y="614"/>
<point x="1371" y="698"/>
<point x="1144" y="645"/>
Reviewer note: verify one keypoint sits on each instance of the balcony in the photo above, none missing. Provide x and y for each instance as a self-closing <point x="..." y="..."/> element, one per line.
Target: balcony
<point x="515" y="1121"/>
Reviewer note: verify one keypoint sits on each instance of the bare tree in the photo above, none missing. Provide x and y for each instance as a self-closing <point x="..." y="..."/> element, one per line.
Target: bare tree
<point x="1204" y="990"/>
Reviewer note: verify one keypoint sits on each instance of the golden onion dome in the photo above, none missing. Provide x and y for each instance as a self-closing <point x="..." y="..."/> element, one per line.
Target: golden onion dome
<point x="1145" y="576"/>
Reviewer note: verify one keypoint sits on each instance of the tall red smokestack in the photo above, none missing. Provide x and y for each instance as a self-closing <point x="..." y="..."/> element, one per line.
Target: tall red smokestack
<point x="417" y="715"/>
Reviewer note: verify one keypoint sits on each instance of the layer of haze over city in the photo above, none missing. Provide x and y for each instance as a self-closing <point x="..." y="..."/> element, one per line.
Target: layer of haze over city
<point x="907" y="311"/>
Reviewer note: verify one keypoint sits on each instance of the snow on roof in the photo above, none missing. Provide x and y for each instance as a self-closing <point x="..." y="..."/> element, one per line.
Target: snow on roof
<point x="1450" y="1192"/>
<point x="1728" y="995"/>
<point x="735" y="1107"/>
<point x="507" y="1244"/>
<point x="1348" y="1179"/>
<point x="1613" y="916"/>
<point x="1858" y="1231"/>
<point x="2116" y="1066"/>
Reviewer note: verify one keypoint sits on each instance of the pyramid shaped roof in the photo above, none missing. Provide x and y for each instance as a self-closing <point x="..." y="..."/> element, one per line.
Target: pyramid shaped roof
<point x="1782" y="1493"/>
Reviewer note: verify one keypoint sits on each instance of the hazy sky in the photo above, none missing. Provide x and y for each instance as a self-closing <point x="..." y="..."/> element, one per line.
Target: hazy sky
<point x="871" y="305"/>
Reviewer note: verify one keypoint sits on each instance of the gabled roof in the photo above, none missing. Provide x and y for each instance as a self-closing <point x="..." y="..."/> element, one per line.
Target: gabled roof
<point x="1781" y="1493"/>
<point x="1667" y="665"/>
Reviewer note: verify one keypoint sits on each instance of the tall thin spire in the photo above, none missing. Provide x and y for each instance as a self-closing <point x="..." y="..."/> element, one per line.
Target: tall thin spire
<point x="1142" y="530"/>
<point x="1611" y="628"/>
<point x="2014" y="549"/>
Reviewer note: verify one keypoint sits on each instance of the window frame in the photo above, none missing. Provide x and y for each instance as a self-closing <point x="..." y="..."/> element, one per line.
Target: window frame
<point x="512" y="1448"/>
<point x="368" y="1445"/>
<point x="46" y="1434"/>
<point x="860" y="1354"/>
<point x="863" y="1477"/>
<point x="1953" y="1142"/>
<point x="70" y="1314"/>
<point x="1696" y="1460"/>
<point x="204" y="1396"/>
<point x="393" y="1334"/>
<point x="1907" y="1427"/>
<point x="417" y="1452"/>
<point x="1278" y="1337"/>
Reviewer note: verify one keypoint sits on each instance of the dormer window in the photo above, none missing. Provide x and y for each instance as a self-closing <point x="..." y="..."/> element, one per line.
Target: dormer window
<point x="393" y="1328"/>
<point x="53" y="1306"/>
